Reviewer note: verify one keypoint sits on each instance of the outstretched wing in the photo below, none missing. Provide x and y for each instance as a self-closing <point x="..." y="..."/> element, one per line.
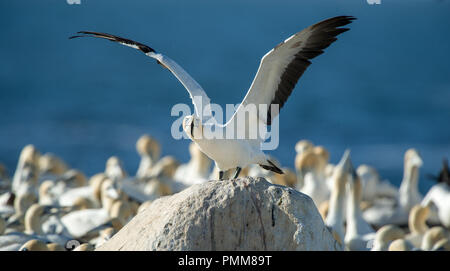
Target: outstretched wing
<point x="199" y="98"/>
<point x="282" y="66"/>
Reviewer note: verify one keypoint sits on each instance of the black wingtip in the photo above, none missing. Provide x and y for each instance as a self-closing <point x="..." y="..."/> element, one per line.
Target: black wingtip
<point x="142" y="47"/>
<point x="74" y="37"/>
<point x="77" y="35"/>
<point x="346" y="17"/>
<point x="444" y="174"/>
<point x="335" y="22"/>
<point x="272" y="167"/>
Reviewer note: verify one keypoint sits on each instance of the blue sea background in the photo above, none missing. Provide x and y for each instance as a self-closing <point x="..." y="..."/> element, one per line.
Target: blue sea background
<point x="382" y="88"/>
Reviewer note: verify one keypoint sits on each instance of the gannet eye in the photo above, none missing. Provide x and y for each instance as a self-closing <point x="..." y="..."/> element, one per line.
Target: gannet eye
<point x="192" y="128"/>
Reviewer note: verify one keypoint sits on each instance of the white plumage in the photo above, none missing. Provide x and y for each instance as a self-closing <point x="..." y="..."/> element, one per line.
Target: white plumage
<point x="277" y="76"/>
<point x="359" y="234"/>
<point x="336" y="216"/>
<point x="396" y="212"/>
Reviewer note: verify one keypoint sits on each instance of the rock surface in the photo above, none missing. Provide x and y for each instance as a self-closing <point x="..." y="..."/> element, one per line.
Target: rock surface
<point x="242" y="214"/>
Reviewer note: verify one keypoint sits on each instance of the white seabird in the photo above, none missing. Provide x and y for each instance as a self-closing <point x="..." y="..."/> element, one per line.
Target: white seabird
<point x="397" y="212"/>
<point x="336" y="214"/>
<point x="312" y="165"/>
<point x="439" y="196"/>
<point x="359" y="234"/>
<point x="277" y="76"/>
<point x="196" y="170"/>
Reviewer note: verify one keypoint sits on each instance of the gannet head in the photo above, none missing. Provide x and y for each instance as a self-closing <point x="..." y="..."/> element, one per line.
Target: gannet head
<point x="49" y="163"/>
<point x="29" y="154"/>
<point x="110" y="192"/>
<point x="314" y="159"/>
<point x="148" y="146"/>
<point x="385" y="235"/>
<point x="303" y="145"/>
<point x="159" y="187"/>
<point x="55" y="247"/>
<point x="85" y="247"/>
<point x="114" y="168"/>
<point x="46" y="195"/>
<point x="122" y="211"/>
<point x="323" y="155"/>
<point x="95" y="182"/>
<point x="369" y="178"/>
<point x="33" y="217"/>
<point x="341" y="173"/>
<point x="368" y="173"/>
<point x="400" y="245"/>
<point x="192" y="126"/>
<point x="74" y="178"/>
<point x="413" y="159"/>
<point x="27" y="170"/>
<point x="111" y="189"/>
<point x="442" y="245"/>
<point x="166" y="167"/>
<point x="305" y="161"/>
<point x="107" y="233"/>
<point x="432" y="236"/>
<point x="82" y="203"/>
<point x="409" y="192"/>
<point x="34" y="245"/>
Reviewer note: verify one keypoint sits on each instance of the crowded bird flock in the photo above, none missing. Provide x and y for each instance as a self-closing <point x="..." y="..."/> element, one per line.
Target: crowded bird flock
<point x="49" y="206"/>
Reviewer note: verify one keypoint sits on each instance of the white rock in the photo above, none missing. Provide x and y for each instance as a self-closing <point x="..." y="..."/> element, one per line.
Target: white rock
<point x="242" y="214"/>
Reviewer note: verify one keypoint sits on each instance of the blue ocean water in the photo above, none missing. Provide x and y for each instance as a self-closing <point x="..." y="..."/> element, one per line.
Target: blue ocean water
<point x="382" y="88"/>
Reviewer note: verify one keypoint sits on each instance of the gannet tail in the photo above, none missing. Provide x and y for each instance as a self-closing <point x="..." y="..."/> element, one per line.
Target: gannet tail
<point x="272" y="167"/>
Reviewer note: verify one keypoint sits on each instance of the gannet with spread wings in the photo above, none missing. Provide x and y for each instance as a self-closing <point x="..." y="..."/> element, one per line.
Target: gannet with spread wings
<point x="277" y="76"/>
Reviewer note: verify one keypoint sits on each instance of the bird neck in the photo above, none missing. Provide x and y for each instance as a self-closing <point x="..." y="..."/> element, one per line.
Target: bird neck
<point x="353" y="214"/>
<point x="144" y="166"/>
<point x="335" y="218"/>
<point x="409" y="190"/>
<point x="417" y="220"/>
<point x="32" y="222"/>
<point x="410" y="176"/>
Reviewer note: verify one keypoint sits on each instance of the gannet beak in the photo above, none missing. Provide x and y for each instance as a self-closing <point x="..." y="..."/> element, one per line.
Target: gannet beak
<point x="345" y="164"/>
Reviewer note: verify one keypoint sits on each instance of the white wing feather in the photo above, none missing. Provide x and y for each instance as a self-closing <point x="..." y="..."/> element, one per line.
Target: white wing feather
<point x="198" y="95"/>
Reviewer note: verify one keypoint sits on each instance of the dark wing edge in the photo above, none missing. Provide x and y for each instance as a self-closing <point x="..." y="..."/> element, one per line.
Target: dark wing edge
<point x="323" y="34"/>
<point x="131" y="43"/>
